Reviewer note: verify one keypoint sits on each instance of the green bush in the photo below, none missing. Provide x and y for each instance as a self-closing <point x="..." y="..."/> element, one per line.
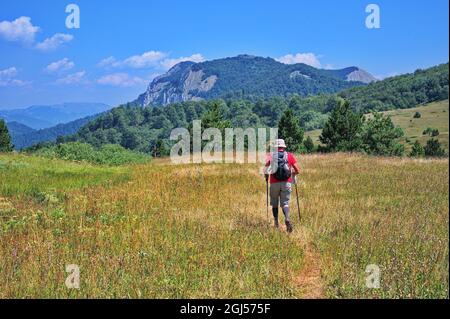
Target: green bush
<point x="309" y="145"/>
<point x="112" y="154"/>
<point x="431" y="132"/>
<point x="109" y="154"/>
<point x="434" y="149"/>
<point x="417" y="150"/>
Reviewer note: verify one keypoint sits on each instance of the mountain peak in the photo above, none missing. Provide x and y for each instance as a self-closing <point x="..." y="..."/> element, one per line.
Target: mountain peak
<point x="246" y="74"/>
<point x="360" y="75"/>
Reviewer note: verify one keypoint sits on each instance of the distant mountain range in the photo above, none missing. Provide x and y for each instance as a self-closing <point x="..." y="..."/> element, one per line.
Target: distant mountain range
<point x="247" y="75"/>
<point x="23" y="136"/>
<point x="46" y="116"/>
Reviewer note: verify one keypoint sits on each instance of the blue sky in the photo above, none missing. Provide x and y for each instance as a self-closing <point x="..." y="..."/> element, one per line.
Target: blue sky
<point x="121" y="45"/>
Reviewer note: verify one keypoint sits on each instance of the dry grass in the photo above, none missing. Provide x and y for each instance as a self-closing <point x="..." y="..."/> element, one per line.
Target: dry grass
<point x="200" y="231"/>
<point x="383" y="211"/>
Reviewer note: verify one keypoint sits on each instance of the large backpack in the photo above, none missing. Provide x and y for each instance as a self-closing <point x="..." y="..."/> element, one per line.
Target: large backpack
<point x="283" y="170"/>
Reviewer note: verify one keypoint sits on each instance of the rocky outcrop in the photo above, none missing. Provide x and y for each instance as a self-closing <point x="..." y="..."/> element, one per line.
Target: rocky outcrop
<point x="360" y="75"/>
<point x="297" y="74"/>
<point x="181" y="83"/>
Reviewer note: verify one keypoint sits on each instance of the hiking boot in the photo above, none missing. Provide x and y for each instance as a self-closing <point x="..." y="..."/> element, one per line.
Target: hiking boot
<point x="275" y="216"/>
<point x="289" y="227"/>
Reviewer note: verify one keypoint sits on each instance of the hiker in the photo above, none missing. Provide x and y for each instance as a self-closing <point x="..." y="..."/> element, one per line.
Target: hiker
<point x="283" y="169"/>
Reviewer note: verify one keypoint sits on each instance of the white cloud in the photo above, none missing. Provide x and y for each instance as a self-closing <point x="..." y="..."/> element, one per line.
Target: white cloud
<point x="306" y="58"/>
<point x="121" y="79"/>
<point x="7" y="77"/>
<point x="59" y="66"/>
<point x="22" y="30"/>
<point x="8" y="73"/>
<point x="19" y="30"/>
<point x="54" y="42"/>
<point x="155" y="59"/>
<point x="73" y="78"/>
<point x="168" y="63"/>
<point x="144" y="60"/>
<point x="108" y="62"/>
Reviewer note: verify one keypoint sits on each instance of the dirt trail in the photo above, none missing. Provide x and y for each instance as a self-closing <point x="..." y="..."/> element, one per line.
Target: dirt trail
<point x="309" y="280"/>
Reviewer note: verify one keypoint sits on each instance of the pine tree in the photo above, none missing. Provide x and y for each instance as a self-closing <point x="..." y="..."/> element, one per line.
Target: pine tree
<point x="289" y="129"/>
<point x="342" y="131"/>
<point x="5" y="139"/>
<point x="417" y="150"/>
<point x="380" y="136"/>
<point x="309" y="144"/>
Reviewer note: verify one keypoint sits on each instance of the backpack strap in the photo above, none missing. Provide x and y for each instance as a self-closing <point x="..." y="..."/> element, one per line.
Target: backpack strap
<point x="286" y="158"/>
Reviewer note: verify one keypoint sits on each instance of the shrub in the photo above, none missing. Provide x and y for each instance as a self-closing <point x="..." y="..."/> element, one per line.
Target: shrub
<point x="434" y="148"/>
<point x="309" y="145"/>
<point x="112" y="154"/>
<point x="417" y="115"/>
<point x="431" y="132"/>
<point x="109" y="154"/>
<point x="417" y="150"/>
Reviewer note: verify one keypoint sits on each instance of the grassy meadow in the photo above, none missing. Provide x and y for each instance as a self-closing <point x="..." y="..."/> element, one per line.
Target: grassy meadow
<point x="200" y="231"/>
<point x="434" y="115"/>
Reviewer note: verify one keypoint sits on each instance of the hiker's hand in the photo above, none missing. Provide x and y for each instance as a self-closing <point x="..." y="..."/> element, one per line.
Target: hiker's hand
<point x="295" y="179"/>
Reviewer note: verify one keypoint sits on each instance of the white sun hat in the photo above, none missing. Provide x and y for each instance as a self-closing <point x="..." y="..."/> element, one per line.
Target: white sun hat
<point x="279" y="143"/>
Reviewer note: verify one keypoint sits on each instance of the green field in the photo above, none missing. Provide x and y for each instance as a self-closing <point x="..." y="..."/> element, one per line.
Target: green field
<point x="159" y="230"/>
<point x="434" y="115"/>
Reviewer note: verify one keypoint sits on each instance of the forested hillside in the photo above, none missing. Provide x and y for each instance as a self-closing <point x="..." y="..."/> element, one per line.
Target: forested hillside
<point x="22" y="139"/>
<point x="247" y="75"/>
<point x="401" y="92"/>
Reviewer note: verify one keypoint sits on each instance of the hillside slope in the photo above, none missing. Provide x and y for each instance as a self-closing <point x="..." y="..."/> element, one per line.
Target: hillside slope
<point x="247" y="75"/>
<point x="24" y="140"/>
<point x="434" y="115"/>
<point x="16" y="128"/>
<point x="402" y="91"/>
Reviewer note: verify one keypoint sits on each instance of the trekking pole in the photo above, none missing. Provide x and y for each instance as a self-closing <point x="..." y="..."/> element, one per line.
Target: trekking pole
<point x="298" y="204"/>
<point x="267" y="198"/>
